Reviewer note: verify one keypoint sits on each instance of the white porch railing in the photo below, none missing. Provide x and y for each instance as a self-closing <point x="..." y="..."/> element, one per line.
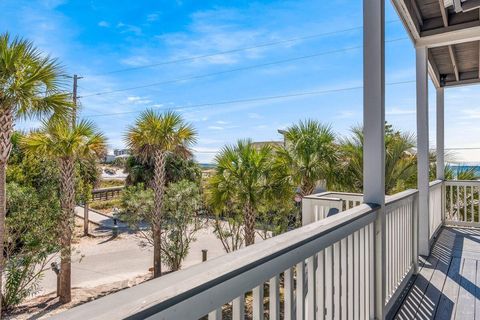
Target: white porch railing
<point x="401" y="223"/>
<point x="436" y="207"/>
<point x="326" y="268"/>
<point x="321" y="205"/>
<point x="462" y="203"/>
<point x="321" y="270"/>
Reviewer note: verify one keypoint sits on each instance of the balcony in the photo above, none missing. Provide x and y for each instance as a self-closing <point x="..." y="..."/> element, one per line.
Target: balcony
<point x="371" y="256"/>
<point x="326" y="269"/>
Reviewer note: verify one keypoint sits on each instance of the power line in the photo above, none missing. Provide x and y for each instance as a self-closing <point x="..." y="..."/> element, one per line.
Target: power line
<point x="251" y="99"/>
<point x="260" y="45"/>
<point x="193" y="77"/>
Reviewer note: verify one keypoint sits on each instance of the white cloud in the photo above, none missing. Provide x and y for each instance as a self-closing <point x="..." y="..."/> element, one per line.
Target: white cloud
<point x="135" y="61"/>
<point x="222" y="122"/>
<point x="346" y="114"/>
<point x="215" y="128"/>
<point x="399" y="112"/>
<point x="104" y="24"/>
<point x="253" y="115"/>
<point x="140" y="100"/>
<point x="129" y="28"/>
<point x="152" y="17"/>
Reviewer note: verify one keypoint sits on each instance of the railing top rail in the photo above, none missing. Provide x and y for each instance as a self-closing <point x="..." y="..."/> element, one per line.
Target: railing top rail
<point x="389" y="200"/>
<point x="333" y="194"/>
<point x="461" y="182"/>
<point x="163" y="293"/>
<point x="435" y="183"/>
<point x="100" y="190"/>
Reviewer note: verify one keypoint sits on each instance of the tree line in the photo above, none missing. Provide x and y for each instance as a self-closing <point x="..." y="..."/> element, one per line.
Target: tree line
<point x="251" y="193"/>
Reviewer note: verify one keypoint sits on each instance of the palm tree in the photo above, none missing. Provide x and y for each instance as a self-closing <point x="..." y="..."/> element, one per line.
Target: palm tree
<point x="400" y="162"/>
<point x="242" y="178"/>
<point x="66" y="144"/>
<point x="154" y="136"/>
<point x="307" y="155"/>
<point x="29" y="88"/>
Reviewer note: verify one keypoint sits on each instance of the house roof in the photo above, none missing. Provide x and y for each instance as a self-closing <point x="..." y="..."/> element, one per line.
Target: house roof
<point x="451" y="31"/>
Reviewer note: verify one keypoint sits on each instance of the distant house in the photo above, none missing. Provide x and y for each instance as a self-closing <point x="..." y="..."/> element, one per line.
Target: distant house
<point x="121" y="152"/>
<point x="109" y="158"/>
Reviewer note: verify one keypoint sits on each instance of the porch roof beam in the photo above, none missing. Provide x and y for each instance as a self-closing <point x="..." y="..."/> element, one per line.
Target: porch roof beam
<point x="451" y="52"/>
<point x="450" y="35"/>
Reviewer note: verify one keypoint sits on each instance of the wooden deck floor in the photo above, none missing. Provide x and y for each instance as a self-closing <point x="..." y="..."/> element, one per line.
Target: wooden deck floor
<point x="448" y="284"/>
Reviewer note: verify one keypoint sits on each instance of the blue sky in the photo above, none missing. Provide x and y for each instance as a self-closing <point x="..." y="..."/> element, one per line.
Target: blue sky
<point x="93" y="38"/>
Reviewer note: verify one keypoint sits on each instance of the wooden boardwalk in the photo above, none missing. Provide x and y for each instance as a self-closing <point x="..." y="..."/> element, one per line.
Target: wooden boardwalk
<point x="448" y="283"/>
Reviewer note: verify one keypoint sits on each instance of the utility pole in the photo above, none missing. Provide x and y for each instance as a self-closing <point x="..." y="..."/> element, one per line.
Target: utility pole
<point x="75" y="86"/>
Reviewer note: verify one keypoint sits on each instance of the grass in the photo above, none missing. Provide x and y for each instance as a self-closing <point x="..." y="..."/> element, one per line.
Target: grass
<point x="105" y="206"/>
<point x="107" y="183"/>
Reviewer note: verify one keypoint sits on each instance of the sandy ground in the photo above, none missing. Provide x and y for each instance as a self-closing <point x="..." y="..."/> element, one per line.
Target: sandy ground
<point x="103" y="264"/>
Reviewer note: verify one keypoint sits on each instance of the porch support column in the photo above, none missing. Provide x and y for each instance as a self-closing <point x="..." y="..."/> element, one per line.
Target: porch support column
<point x="374" y="132"/>
<point x="440" y="134"/>
<point x="422" y="150"/>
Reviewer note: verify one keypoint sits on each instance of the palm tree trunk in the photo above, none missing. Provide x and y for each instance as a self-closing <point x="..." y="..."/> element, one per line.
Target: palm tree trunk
<point x="249" y="221"/>
<point x="158" y="187"/>
<point x="67" y="202"/>
<point x="6" y="131"/>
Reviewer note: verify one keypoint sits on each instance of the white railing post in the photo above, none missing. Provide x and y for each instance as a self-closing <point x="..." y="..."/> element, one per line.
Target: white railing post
<point x="441" y="144"/>
<point x="440" y="134"/>
<point x="415" y="235"/>
<point x="423" y="149"/>
<point x="374" y="135"/>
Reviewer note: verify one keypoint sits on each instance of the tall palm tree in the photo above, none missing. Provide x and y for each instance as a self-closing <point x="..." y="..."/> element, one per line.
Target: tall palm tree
<point x="66" y="144"/>
<point x="400" y="162"/>
<point x="242" y="178"/>
<point x="307" y="155"/>
<point x="154" y="136"/>
<point x="29" y="88"/>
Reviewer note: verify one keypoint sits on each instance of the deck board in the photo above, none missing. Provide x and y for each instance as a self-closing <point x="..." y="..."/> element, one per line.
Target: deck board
<point x="448" y="283"/>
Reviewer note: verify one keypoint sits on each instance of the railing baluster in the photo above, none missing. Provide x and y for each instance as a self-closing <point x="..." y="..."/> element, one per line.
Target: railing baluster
<point x="362" y="273"/>
<point x="336" y="280"/>
<point x="450" y="210"/>
<point x="289" y="308"/>
<point x="478" y="204"/>
<point x="388" y="251"/>
<point x="320" y="277"/>
<point x="311" y="283"/>
<point x="344" y="278"/>
<point x="366" y="291"/>
<point x="351" y="279"/>
<point x="372" y="276"/>
<point x="215" y="314"/>
<point x="300" y="290"/>
<point x="274" y="298"/>
<point x="357" y="274"/>
<point x="258" y="302"/>
<point x="329" y="288"/>
<point x="238" y="308"/>
<point x="471" y="197"/>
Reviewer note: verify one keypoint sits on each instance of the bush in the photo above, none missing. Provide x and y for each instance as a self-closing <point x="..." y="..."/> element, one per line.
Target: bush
<point x="31" y="238"/>
<point x="179" y="224"/>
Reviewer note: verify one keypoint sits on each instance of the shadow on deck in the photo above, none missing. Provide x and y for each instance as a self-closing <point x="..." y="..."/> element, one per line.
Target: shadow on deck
<point x="448" y="283"/>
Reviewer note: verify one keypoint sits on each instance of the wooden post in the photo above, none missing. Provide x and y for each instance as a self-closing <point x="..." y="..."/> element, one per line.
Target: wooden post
<point x="374" y="138"/>
<point x="441" y="144"/>
<point x="440" y="133"/>
<point x="85" y="218"/>
<point x="423" y="158"/>
<point x="204" y="255"/>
